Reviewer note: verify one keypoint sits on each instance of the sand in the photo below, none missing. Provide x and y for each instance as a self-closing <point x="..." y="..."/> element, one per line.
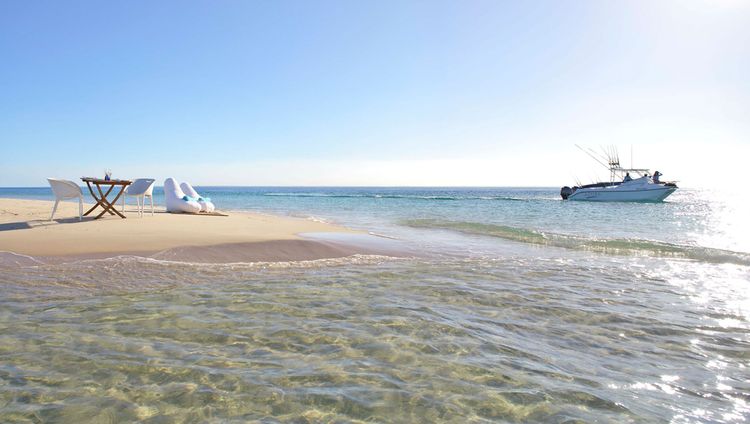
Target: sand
<point x="25" y="229"/>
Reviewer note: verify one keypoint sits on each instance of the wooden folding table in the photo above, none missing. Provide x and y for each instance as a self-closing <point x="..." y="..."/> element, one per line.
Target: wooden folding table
<point x="101" y="199"/>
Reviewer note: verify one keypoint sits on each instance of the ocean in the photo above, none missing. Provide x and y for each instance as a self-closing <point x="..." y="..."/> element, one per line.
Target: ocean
<point x="516" y="306"/>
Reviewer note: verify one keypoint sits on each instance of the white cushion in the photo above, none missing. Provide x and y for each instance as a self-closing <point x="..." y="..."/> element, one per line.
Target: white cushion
<point x="190" y="191"/>
<point x="173" y="196"/>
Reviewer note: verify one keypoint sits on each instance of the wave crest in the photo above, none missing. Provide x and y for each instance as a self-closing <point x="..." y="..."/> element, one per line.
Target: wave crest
<point x="635" y="247"/>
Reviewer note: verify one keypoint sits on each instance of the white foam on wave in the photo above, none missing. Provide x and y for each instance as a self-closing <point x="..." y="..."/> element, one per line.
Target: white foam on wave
<point x="356" y="259"/>
<point x="18" y="259"/>
<point x="318" y="219"/>
<point x="372" y="233"/>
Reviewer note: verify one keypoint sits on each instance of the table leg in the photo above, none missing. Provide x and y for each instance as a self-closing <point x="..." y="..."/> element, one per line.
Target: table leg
<point x="110" y="206"/>
<point x="98" y="200"/>
<point x="104" y="198"/>
<point x="114" y="202"/>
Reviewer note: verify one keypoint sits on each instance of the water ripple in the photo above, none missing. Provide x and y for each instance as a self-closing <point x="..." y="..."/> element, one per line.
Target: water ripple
<point x="449" y="340"/>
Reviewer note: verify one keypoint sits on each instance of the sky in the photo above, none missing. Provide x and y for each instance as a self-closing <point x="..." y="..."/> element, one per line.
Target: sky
<point x="373" y="93"/>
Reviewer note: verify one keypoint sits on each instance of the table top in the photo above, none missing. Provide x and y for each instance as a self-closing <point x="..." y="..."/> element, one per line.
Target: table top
<point x="105" y="182"/>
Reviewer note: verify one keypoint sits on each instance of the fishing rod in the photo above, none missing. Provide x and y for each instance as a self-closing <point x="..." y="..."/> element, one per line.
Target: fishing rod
<point x="593" y="155"/>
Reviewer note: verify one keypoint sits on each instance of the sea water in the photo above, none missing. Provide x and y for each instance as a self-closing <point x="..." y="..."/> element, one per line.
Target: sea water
<point x="515" y="307"/>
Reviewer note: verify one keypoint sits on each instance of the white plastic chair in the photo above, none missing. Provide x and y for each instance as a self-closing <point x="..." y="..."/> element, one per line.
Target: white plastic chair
<point x="173" y="197"/>
<point x="206" y="205"/>
<point x="140" y="189"/>
<point x="64" y="189"/>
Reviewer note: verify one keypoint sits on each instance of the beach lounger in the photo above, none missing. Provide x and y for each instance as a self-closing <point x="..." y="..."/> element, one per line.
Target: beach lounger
<point x="64" y="189"/>
<point x="206" y="205"/>
<point x="176" y="200"/>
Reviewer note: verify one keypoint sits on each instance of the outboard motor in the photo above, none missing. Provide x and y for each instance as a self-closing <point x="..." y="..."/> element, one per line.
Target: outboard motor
<point x="565" y="192"/>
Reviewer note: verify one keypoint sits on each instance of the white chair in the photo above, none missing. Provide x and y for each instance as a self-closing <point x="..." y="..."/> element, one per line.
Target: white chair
<point x="174" y="199"/>
<point x="64" y="189"/>
<point x="206" y="205"/>
<point x="140" y="189"/>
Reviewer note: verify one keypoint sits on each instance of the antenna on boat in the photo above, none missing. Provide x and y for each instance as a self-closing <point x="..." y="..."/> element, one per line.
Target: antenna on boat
<point x="613" y="160"/>
<point x="612" y="157"/>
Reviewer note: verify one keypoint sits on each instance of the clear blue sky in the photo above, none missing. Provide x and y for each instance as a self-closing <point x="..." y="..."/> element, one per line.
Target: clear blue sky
<point x="370" y="92"/>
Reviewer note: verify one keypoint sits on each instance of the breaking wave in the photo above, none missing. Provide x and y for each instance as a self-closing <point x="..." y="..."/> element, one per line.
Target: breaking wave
<point x="635" y="247"/>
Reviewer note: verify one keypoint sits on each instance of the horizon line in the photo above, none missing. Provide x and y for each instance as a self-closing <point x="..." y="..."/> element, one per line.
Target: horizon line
<point x="329" y="186"/>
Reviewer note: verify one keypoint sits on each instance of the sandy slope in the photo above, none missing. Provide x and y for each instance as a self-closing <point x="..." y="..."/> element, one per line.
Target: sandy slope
<point x="25" y="229"/>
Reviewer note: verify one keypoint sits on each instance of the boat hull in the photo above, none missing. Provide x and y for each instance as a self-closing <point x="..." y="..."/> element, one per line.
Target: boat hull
<point x="618" y="194"/>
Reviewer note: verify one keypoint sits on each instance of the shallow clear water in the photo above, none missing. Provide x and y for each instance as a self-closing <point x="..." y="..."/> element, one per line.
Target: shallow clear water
<point x="526" y="308"/>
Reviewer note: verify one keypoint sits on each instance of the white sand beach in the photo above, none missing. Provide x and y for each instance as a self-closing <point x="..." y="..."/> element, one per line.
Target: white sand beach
<point x="25" y="229"/>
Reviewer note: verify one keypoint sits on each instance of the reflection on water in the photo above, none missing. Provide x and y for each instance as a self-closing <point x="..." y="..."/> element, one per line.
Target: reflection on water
<point x="605" y="339"/>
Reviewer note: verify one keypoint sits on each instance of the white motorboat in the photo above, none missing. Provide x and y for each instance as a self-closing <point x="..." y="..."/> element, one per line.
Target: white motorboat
<point x="642" y="189"/>
<point x="621" y="187"/>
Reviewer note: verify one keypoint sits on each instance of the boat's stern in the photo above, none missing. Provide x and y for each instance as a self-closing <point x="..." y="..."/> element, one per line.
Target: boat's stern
<point x="566" y="191"/>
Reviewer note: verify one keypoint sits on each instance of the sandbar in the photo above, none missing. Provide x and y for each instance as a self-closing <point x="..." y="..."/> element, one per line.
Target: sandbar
<point x="25" y="229"/>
